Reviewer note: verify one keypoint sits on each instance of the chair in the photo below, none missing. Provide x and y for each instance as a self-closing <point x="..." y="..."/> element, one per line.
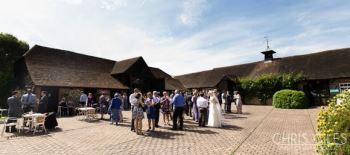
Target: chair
<point x="20" y="125"/>
<point x="80" y="114"/>
<point x="60" y="108"/>
<point x="39" y="122"/>
<point x="2" y="112"/>
<point x="91" y="114"/>
<point x="10" y="123"/>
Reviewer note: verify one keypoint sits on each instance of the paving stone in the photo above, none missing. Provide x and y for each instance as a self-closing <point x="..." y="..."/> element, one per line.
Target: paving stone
<point x="253" y="132"/>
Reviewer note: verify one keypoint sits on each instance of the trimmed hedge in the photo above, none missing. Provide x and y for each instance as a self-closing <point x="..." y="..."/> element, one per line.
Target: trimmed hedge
<point x="333" y="126"/>
<point x="290" y="99"/>
<point x="264" y="86"/>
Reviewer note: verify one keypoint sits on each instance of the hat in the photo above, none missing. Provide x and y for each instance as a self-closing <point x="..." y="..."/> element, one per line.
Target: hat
<point x="116" y="94"/>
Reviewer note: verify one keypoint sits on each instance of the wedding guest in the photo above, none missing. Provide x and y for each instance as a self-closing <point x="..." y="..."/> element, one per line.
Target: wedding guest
<point x="64" y="106"/>
<point x="229" y="100"/>
<point x="238" y="99"/>
<point x="202" y="104"/>
<point x="15" y="105"/>
<point x="83" y="99"/>
<point x="28" y="101"/>
<point x="218" y="95"/>
<point x="43" y="103"/>
<point x="151" y="111"/>
<point x="115" y="110"/>
<point x="134" y="102"/>
<point x="189" y="103"/>
<point x="103" y="102"/>
<point x="195" y="107"/>
<point x="224" y="102"/>
<point x="157" y="106"/>
<point x="50" y="120"/>
<point x="165" y="106"/>
<point x="90" y="100"/>
<point x="137" y="113"/>
<point x="121" y="108"/>
<point x="179" y="103"/>
<point x="125" y="101"/>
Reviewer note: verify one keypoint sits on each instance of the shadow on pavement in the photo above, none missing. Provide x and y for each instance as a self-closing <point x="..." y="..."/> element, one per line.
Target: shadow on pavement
<point x="164" y="134"/>
<point x="231" y="127"/>
<point x="205" y="131"/>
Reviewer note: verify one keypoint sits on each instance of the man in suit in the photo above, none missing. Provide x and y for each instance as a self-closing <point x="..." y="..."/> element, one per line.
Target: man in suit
<point x="229" y="100"/>
<point x="28" y="101"/>
<point x="15" y="105"/>
<point x="44" y="101"/>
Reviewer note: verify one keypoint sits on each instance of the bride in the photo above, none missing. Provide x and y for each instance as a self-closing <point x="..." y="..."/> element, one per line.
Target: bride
<point x="215" y="115"/>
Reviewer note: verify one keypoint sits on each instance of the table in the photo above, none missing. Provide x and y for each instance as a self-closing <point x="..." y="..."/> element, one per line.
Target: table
<point x="87" y="113"/>
<point x="33" y="115"/>
<point x="29" y="117"/>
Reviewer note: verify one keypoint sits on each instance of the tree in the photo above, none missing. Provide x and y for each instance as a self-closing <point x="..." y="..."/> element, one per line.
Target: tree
<point x="11" y="50"/>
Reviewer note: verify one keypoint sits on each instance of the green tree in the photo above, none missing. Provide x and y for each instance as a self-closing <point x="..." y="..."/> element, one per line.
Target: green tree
<point x="11" y="49"/>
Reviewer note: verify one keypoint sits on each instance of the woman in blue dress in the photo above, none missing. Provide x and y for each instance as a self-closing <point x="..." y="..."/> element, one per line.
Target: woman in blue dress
<point x="114" y="108"/>
<point x="151" y="111"/>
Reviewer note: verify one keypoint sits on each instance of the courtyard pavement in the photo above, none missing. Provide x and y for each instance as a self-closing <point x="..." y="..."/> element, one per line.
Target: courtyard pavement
<point x="260" y="130"/>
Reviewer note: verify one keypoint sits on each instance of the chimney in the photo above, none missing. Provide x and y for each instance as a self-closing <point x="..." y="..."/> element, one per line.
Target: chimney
<point x="268" y="55"/>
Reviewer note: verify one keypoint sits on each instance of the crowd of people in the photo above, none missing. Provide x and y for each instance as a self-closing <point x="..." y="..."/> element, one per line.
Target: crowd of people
<point x="20" y="104"/>
<point x="205" y="107"/>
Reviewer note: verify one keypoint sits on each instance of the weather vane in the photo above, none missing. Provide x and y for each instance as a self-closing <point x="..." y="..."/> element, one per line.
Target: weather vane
<point x="267" y="43"/>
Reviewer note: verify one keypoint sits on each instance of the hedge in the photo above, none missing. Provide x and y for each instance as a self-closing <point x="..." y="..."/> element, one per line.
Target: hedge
<point x="333" y="126"/>
<point x="290" y="99"/>
<point x="264" y="86"/>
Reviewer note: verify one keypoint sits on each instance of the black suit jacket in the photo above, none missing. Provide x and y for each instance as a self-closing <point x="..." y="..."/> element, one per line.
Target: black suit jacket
<point x="44" y="101"/>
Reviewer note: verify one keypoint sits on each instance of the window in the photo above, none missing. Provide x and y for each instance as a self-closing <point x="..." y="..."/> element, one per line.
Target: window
<point x="344" y="86"/>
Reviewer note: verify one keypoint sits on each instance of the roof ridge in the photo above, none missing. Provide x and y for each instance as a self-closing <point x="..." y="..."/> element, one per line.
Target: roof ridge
<point x="62" y="50"/>
<point x="136" y="58"/>
<point x="257" y="62"/>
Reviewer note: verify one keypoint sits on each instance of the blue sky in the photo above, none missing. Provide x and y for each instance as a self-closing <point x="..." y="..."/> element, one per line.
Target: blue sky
<point x="180" y="36"/>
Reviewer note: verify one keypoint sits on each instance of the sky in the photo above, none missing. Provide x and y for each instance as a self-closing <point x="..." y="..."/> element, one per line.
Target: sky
<point x="180" y="36"/>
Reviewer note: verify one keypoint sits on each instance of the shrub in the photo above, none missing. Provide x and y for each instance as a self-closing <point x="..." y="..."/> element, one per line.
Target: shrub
<point x="290" y="99"/>
<point x="333" y="126"/>
<point x="264" y="86"/>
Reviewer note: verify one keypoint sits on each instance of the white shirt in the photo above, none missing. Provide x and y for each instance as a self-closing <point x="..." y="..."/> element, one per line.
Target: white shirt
<point x="223" y="98"/>
<point x="202" y="102"/>
<point x="133" y="100"/>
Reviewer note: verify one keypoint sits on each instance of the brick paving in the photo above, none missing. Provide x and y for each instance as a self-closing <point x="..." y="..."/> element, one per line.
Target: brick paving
<point x="260" y="130"/>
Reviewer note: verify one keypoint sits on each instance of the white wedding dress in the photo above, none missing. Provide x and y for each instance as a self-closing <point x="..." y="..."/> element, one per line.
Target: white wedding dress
<point x="215" y="115"/>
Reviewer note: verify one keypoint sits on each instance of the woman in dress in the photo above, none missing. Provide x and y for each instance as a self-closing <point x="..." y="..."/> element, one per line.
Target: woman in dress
<point x="165" y="106"/>
<point x="195" y="110"/>
<point x="151" y="111"/>
<point x="137" y="114"/>
<point x="114" y="109"/>
<point x="103" y="102"/>
<point x="238" y="99"/>
<point x="215" y="115"/>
